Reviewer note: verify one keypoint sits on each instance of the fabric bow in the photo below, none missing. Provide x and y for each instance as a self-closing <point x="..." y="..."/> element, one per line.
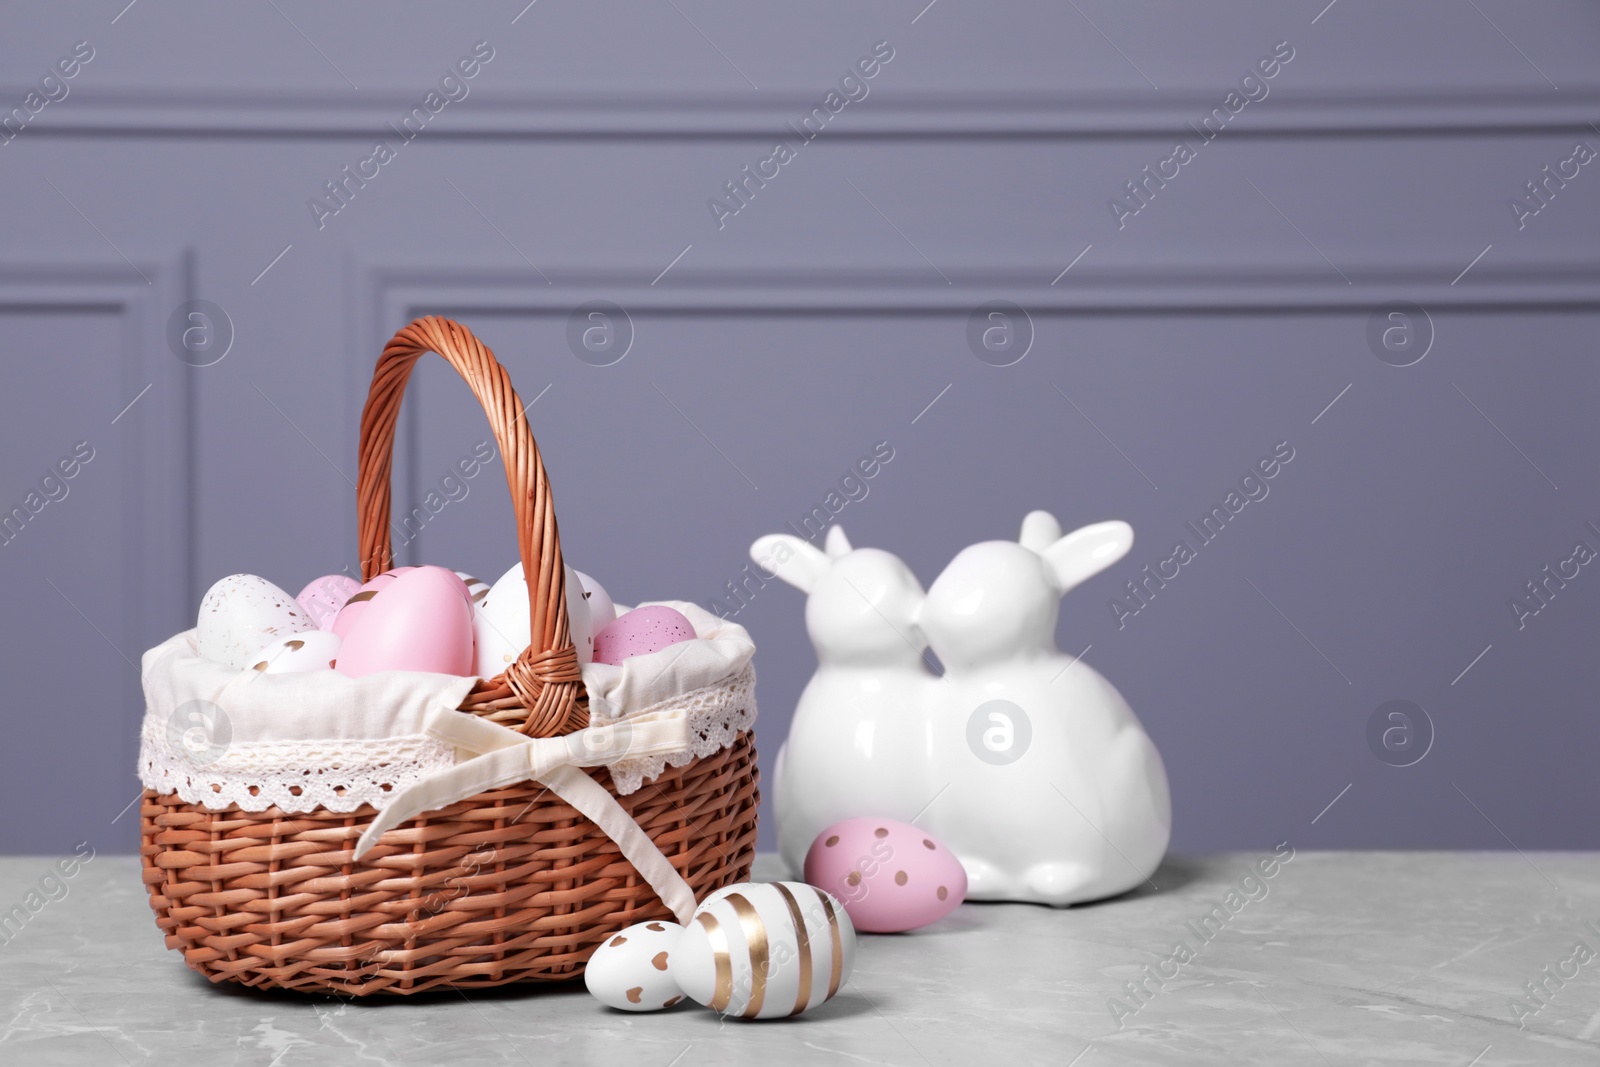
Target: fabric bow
<point x="499" y="757"/>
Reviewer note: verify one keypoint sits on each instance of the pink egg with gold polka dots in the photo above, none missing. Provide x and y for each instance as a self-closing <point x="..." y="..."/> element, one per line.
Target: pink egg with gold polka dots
<point x="890" y="876"/>
<point x="640" y="632"/>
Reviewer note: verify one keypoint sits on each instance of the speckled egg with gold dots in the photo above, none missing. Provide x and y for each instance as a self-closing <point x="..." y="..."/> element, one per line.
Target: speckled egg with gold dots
<point x="242" y="614"/>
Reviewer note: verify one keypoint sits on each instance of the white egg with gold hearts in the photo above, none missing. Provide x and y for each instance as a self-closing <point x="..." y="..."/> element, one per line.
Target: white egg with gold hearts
<point x="630" y="970"/>
<point x="765" y="950"/>
<point x="312" y="650"/>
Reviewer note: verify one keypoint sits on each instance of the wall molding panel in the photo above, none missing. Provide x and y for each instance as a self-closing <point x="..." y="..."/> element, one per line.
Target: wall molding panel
<point x="152" y="438"/>
<point x="393" y="294"/>
<point x="980" y="115"/>
<point x="159" y="540"/>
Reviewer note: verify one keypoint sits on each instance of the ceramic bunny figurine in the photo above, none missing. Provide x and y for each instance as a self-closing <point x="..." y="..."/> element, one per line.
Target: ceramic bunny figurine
<point x="1068" y="800"/>
<point x="861" y="740"/>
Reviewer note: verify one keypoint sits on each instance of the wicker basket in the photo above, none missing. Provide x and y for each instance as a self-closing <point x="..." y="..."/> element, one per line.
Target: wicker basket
<point x="513" y="885"/>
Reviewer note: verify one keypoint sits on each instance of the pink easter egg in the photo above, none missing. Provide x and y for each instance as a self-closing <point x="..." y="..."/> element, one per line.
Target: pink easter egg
<point x="356" y="604"/>
<point x="323" y="597"/>
<point x="460" y="582"/>
<point x="418" y="621"/>
<point x="640" y="632"/>
<point x="891" y="876"/>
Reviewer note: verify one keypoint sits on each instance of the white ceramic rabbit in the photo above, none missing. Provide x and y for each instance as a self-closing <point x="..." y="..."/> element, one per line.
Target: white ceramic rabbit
<point x="1082" y="811"/>
<point x="862" y="736"/>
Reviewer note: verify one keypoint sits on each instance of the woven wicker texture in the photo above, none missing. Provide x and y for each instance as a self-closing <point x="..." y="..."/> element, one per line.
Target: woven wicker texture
<point x="512" y="885"/>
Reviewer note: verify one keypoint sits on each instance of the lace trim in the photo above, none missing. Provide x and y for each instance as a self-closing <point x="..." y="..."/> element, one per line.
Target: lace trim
<point x="295" y="776"/>
<point x="717" y="715"/>
<point x="206" y="768"/>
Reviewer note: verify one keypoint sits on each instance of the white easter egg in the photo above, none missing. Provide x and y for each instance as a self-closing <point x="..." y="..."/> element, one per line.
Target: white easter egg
<point x="765" y="950"/>
<point x="243" y="614"/>
<point x="500" y="629"/>
<point x="630" y="971"/>
<point x="579" y="622"/>
<point x="477" y="588"/>
<point x="313" y="650"/>
<point x="601" y="609"/>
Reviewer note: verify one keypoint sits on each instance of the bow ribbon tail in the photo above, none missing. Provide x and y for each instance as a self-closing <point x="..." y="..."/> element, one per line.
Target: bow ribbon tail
<point x="596" y="804"/>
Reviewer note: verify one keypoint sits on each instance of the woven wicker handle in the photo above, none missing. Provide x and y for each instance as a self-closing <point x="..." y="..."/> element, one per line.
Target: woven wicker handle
<point x="545" y="679"/>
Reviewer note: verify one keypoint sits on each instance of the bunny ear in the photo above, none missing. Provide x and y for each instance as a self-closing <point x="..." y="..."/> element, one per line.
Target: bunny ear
<point x="1040" y="530"/>
<point x="1085" y="552"/>
<point x="800" y="563"/>
<point x="837" y="543"/>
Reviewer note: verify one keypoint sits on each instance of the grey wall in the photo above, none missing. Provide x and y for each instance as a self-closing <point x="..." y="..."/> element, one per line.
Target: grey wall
<point x="1221" y="319"/>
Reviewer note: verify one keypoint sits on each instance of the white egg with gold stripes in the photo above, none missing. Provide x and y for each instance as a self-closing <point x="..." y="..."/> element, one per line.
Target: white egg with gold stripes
<point x="765" y="950"/>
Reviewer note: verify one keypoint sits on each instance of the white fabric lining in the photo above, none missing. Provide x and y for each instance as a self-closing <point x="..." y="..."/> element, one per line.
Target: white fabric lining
<point x="219" y="737"/>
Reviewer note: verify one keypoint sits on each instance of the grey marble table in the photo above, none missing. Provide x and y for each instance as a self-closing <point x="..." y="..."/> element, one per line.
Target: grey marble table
<point x="1336" y="958"/>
